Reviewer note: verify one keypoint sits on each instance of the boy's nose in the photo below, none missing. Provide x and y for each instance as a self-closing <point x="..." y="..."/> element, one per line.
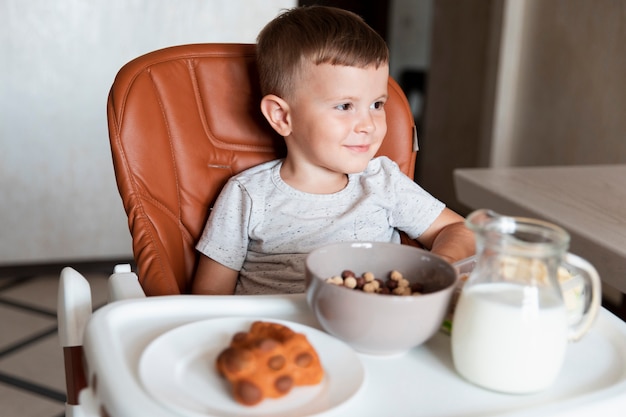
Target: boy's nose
<point x="366" y="123"/>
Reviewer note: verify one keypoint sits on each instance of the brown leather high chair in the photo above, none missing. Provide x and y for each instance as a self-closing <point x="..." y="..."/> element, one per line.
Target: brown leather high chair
<point x="182" y="120"/>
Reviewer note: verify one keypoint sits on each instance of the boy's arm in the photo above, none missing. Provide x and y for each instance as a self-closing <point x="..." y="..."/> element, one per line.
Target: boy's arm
<point x="213" y="278"/>
<point x="449" y="238"/>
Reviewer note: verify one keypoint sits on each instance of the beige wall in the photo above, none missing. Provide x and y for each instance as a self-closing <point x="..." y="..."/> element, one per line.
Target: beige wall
<point x="58" y="198"/>
<point x="571" y="91"/>
<point x="516" y="83"/>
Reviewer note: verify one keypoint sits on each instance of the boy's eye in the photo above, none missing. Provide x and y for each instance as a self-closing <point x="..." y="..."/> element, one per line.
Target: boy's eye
<point x="344" y="106"/>
<point x="378" y="105"/>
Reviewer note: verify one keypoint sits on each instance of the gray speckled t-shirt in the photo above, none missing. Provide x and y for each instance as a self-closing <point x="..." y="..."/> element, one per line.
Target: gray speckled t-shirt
<point x="264" y="228"/>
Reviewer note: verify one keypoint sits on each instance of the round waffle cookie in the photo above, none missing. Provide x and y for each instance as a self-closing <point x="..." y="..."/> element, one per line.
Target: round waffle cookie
<point x="267" y="362"/>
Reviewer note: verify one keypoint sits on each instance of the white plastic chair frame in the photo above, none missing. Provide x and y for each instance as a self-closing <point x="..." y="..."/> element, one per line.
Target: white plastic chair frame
<point x="73" y="313"/>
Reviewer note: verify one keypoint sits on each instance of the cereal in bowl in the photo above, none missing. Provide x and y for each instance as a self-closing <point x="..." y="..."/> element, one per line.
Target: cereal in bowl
<point x="393" y="284"/>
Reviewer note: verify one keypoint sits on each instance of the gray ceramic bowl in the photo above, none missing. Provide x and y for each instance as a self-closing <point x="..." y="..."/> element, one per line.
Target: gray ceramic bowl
<point x="379" y="324"/>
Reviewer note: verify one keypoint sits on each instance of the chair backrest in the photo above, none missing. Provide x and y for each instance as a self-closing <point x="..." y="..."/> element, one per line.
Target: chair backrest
<point x="184" y="119"/>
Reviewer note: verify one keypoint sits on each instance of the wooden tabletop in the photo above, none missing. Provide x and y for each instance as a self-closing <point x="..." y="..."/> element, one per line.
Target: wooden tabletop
<point x="588" y="201"/>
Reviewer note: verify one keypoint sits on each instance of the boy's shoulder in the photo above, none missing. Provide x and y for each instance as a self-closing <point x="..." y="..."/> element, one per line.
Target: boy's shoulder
<point x="381" y="164"/>
<point x="257" y="175"/>
<point x="265" y="168"/>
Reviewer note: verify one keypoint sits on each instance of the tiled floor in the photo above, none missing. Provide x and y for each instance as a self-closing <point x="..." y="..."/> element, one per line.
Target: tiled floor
<point x="32" y="381"/>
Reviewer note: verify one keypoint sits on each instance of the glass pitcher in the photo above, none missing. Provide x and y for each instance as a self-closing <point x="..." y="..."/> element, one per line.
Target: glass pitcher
<point x="524" y="301"/>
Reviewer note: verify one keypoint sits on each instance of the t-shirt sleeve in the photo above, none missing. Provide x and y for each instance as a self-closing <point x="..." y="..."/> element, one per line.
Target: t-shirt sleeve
<point x="225" y="235"/>
<point x="415" y="209"/>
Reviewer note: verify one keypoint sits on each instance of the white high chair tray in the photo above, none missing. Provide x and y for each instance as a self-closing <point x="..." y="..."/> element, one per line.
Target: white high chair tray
<point x="421" y="382"/>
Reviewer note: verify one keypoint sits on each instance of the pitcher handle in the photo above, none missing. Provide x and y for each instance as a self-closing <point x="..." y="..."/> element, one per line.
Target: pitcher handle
<point x="593" y="302"/>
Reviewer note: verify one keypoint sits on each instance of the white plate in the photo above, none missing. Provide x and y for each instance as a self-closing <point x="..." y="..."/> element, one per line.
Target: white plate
<point x="178" y="370"/>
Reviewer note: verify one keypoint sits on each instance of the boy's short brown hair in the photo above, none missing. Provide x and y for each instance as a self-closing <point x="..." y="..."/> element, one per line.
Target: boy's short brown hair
<point x="315" y="34"/>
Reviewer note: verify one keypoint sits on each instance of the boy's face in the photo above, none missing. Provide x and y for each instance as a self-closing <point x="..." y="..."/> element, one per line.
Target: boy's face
<point x="337" y="117"/>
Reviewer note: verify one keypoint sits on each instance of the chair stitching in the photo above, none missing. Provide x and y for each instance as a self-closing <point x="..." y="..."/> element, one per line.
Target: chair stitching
<point x="190" y="57"/>
<point x="156" y="203"/>
<point x="146" y="67"/>
<point x="177" y="217"/>
<point x="137" y="200"/>
<point x="205" y="124"/>
<point x="199" y="103"/>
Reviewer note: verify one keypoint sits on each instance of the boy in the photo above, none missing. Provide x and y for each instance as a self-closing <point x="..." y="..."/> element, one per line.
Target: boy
<point x="324" y="75"/>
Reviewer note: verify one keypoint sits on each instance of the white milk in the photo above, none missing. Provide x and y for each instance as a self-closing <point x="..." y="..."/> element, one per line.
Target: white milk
<point x="498" y="345"/>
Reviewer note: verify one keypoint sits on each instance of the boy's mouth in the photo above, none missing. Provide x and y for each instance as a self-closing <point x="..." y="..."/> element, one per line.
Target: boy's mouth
<point x="358" y="148"/>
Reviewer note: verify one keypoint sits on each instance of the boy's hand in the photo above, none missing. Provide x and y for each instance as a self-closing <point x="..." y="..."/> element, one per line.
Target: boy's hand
<point x="449" y="238"/>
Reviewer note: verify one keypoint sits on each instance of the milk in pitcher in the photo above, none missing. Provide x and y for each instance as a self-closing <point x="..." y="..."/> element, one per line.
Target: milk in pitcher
<point x="503" y="347"/>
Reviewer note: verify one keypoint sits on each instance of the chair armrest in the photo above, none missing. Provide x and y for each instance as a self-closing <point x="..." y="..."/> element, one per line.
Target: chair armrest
<point x="74" y="307"/>
<point x="124" y="284"/>
<point x="73" y="312"/>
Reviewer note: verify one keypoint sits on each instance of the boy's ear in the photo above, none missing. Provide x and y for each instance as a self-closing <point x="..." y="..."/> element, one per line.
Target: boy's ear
<point x="276" y="111"/>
